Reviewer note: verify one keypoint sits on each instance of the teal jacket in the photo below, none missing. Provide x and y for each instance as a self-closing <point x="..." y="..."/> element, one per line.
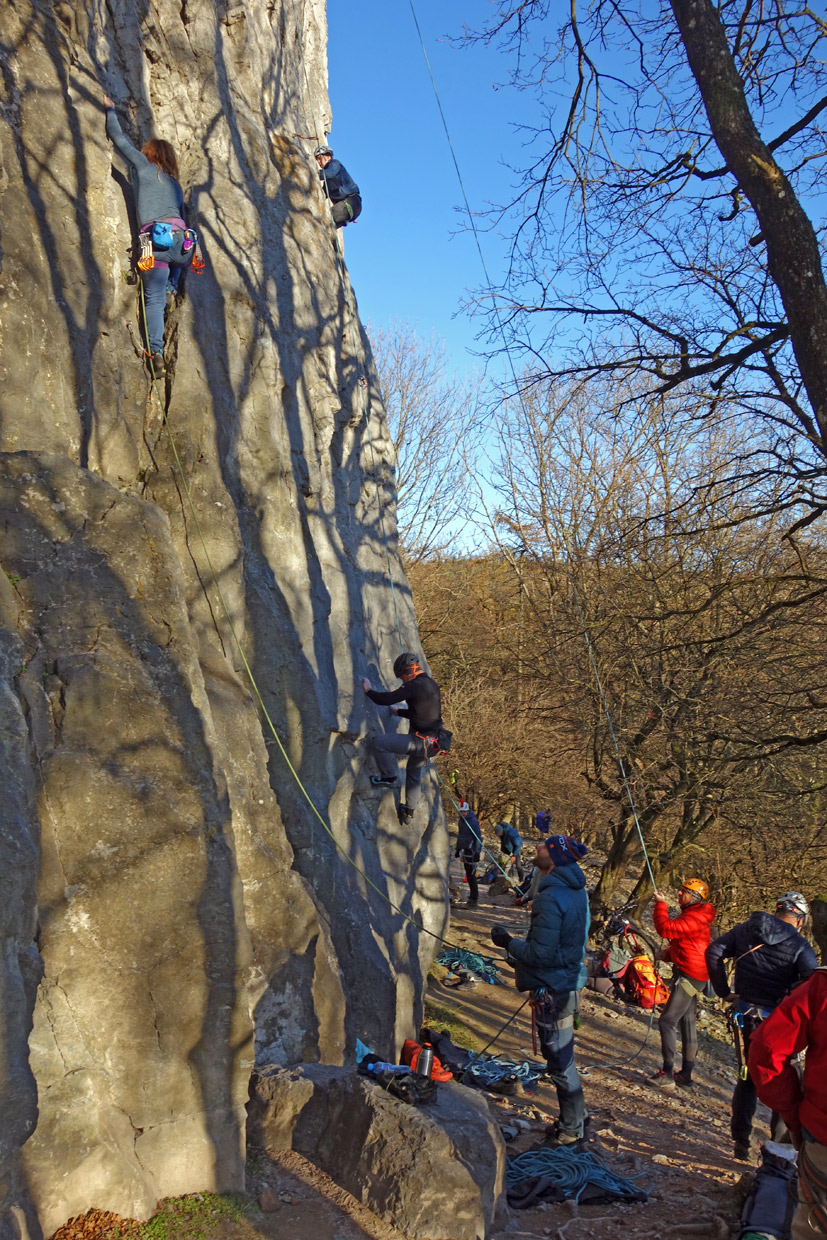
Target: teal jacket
<point x="551" y="956"/>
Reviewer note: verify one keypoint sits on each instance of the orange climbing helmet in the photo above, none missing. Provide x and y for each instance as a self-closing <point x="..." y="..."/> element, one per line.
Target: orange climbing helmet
<point x="697" y="888"/>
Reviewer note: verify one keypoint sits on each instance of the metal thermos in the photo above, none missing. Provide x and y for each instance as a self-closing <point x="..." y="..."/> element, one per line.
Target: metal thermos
<point x="425" y="1060"/>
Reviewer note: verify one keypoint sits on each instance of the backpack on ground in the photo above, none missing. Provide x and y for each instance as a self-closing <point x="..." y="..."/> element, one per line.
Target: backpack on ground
<point x="769" y="1208"/>
<point x="643" y="985"/>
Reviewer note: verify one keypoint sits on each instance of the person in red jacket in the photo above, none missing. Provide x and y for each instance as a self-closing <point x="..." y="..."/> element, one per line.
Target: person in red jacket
<point x="689" y="936"/>
<point x="799" y="1021"/>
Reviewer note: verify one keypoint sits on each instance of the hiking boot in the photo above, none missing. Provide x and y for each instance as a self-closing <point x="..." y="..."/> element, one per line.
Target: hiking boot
<point x="155" y="362"/>
<point x="684" y="1082"/>
<point x="383" y="781"/>
<point x="557" y="1136"/>
<point x="665" y="1079"/>
<point x="742" y="1151"/>
<point x="404" y="813"/>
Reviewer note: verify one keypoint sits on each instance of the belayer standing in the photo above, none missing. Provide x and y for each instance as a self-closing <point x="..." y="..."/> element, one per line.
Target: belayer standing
<point x="339" y="186"/>
<point x="167" y="246"/>
<point x="549" y="963"/>
<point x="469" y="847"/>
<point x="689" y="936"/>
<point x="771" y="957"/>
<point x="423" y="707"/>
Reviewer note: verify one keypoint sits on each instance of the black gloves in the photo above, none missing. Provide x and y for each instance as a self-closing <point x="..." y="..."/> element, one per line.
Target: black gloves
<point x="500" y="936"/>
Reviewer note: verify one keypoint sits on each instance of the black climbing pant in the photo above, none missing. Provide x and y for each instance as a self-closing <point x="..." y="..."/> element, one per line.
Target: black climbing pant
<point x="471" y="875"/>
<point x="346" y="211"/>
<point x="745" y="1098"/>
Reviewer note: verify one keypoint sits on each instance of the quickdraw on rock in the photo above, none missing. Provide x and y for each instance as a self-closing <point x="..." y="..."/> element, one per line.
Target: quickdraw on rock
<point x="146" y="260"/>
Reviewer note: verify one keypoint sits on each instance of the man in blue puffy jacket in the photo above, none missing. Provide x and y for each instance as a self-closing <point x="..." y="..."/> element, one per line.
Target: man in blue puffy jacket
<point x="339" y="186"/>
<point x="771" y="957"/>
<point x="549" y="963"/>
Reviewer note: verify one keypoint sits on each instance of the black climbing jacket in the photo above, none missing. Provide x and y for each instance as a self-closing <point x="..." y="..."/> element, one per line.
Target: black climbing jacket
<point x="770" y="958"/>
<point x="423" y="701"/>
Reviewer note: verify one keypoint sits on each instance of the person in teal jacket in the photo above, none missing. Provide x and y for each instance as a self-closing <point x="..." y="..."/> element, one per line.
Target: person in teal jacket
<point x="549" y="964"/>
<point x="511" y="844"/>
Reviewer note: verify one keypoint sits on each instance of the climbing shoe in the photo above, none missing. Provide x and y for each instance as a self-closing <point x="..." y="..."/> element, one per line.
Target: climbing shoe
<point x="383" y="781"/>
<point x="742" y="1152"/>
<point x="404" y="814"/>
<point x="156" y="365"/>
<point x="684" y="1082"/>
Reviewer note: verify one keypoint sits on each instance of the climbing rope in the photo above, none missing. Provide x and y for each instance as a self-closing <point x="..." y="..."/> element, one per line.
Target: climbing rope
<point x="457" y="959"/>
<point x="363" y="382"/>
<point x="571" y="1170"/>
<point x="248" y="670"/>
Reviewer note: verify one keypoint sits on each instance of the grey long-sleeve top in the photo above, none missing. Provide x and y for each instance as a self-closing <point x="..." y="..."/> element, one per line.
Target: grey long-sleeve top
<point x="157" y="195"/>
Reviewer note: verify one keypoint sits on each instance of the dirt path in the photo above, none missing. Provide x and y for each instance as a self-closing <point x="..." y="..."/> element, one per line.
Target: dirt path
<point x="681" y="1140"/>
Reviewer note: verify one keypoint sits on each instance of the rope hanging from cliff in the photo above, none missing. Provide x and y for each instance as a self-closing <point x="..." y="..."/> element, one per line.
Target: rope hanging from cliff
<point x="518" y="390"/>
<point x="363" y="381"/>
<point x="249" y="671"/>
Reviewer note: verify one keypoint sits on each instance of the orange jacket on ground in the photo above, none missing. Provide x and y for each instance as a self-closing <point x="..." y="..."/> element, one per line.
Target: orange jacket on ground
<point x="799" y="1020"/>
<point x="689" y="936"/>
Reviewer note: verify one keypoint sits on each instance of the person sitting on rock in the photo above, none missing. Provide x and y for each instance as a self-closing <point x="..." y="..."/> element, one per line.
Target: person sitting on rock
<point x="511" y="844"/>
<point x="339" y="186"/>
<point x="549" y="963"/>
<point x="771" y="957"/>
<point x="158" y="200"/>
<point x="469" y="847"/>
<point x="424" y="710"/>
<point x="689" y="936"/>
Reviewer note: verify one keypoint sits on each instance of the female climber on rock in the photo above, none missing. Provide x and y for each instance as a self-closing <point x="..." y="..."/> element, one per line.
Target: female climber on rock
<point x="167" y="246"/>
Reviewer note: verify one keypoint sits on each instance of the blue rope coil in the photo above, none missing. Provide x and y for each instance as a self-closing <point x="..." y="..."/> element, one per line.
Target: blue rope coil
<point x="485" y="1072"/>
<point x="571" y="1170"/>
<point x="456" y="958"/>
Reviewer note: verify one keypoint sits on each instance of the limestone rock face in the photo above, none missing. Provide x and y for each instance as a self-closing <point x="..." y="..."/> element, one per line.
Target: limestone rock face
<point x="437" y="1172"/>
<point x="171" y="906"/>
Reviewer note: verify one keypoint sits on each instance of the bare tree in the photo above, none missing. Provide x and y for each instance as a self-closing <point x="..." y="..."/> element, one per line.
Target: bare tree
<point x="701" y="633"/>
<point x="661" y="228"/>
<point x="433" y="420"/>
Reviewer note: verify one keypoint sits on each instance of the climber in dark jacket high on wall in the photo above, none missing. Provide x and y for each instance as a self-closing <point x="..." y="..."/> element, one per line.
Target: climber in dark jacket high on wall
<point x="158" y="201"/>
<point x="771" y="957"/>
<point x="339" y="186"/>
<point x="549" y="963"/>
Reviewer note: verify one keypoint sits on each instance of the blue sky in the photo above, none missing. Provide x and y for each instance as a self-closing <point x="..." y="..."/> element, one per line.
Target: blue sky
<point x="406" y="255"/>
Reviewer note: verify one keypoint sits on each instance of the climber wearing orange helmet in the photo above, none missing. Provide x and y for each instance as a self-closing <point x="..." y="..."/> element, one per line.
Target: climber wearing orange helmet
<point x="689" y="936"/>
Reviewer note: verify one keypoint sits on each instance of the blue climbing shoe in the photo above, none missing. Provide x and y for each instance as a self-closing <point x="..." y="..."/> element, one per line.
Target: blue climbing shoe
<point x="383" y="781"/>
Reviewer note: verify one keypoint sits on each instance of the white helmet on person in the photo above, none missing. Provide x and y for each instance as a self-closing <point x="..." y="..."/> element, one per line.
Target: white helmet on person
<point x="793" y="902"/>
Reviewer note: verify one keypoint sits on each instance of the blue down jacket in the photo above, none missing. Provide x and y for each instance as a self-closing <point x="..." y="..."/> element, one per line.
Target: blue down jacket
<point x="780" y="960"/>
<point x="552" y="953"/>
<point x="469" y="836"/>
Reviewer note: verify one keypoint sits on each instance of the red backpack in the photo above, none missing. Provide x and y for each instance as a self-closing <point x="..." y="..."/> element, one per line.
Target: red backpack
<point x="643" y="985"/>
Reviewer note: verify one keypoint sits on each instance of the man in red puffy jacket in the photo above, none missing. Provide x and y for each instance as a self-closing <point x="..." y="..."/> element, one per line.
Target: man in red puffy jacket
<point x="799" y="1022"/>
<point x="688" y="936"/>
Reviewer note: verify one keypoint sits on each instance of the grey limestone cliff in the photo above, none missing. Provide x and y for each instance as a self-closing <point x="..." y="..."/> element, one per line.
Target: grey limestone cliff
<point x="170" y="905"/>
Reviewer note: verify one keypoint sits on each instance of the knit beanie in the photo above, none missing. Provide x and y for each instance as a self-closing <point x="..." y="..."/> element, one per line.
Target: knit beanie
<point x="564" y="850"/>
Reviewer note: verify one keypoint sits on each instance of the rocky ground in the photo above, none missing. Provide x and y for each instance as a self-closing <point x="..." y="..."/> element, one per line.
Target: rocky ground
<point x="679" y="1141"/>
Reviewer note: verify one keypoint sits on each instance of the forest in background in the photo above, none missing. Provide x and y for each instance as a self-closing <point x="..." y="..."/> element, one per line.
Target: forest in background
<point x="618" y="553"/>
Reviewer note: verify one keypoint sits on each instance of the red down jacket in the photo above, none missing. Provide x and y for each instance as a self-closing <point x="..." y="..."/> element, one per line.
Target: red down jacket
<point x="689" y="936"/>
<point x="799" y="1020"/>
